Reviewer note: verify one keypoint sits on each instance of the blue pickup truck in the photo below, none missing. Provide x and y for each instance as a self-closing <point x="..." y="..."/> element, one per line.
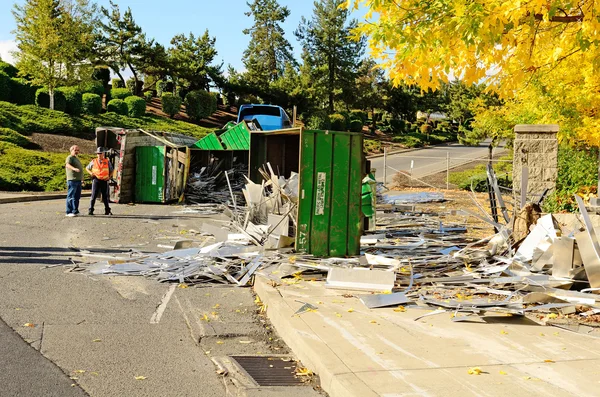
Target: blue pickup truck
<point x="269" y="117"/>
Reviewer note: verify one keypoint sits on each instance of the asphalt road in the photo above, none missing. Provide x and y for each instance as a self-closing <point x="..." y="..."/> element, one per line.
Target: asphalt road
<point x="431" y="160"/>
<point x="98" y="333"/>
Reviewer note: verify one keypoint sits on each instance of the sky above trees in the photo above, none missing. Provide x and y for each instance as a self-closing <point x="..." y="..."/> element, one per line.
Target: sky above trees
<point x="163" y="20"/>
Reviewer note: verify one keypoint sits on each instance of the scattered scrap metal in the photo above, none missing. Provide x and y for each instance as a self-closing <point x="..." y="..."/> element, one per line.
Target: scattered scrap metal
<point x="417" y="261"/>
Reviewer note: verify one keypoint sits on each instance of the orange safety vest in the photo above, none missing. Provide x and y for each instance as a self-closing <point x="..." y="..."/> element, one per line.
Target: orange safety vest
<point x="100" y="169"/>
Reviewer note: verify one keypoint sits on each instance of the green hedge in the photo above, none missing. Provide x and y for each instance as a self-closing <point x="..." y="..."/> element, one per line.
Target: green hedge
<point x="160" y="87"/>
<point x="199" y="104"/>
<point x="148" y="95"/>
<point x="131" y="86"/>
<point x="338" y="122"/>
<point x="73" y="98"/>
<point x="119" y="93"/>
<point x="12" y="136"/>
<point x="9" y="69"/>
<point x="22" y="92"/>
<point x="136" y="106"/>
<point x="356" y="125"/>
<point x="359" y="114"/>
<point x="117" y="106"/>
<point x="92" y="87"/>
<point x="5" y="86"/>
<point x="318" y="121"/>
<point x="91" y="103"/>
<point x="42" y="99"/>
<point x="170" y="104"/>
<point x="117" y="83"/>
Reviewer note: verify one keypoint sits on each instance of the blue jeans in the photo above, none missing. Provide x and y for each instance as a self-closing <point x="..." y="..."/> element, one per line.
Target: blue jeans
<point x="73" y="196"/>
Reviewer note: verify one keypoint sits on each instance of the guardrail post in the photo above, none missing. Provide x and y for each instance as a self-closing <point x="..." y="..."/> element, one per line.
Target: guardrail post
<point x="447" y="170"/>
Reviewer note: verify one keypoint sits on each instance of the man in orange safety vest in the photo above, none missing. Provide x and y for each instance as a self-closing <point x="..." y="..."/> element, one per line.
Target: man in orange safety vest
<point x="100" y="169"/>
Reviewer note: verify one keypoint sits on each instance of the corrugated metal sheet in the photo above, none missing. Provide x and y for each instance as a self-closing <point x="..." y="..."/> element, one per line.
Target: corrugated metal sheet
<point x="209" y="142"/>
<point x="237" y="137"/>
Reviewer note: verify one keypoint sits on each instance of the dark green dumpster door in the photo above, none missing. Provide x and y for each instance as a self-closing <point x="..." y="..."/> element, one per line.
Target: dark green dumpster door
<point x="329" y="212"/>
<point x="149" y="174"/>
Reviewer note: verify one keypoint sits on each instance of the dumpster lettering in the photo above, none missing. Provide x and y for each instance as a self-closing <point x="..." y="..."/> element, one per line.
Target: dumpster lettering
<point x="320" y="197"/>
<point x="154" y="175"/>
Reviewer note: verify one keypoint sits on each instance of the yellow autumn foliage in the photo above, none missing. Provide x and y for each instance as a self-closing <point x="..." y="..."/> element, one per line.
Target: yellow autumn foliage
<point x="518" y="48"/>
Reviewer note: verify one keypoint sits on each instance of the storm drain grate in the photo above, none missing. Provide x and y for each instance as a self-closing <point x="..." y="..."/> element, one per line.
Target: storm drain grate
<point x="270" y="371"/>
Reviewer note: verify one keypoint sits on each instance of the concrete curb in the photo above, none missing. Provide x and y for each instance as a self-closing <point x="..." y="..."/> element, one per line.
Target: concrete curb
<point x="22" y="198"/>
<point x="336" y="378"/>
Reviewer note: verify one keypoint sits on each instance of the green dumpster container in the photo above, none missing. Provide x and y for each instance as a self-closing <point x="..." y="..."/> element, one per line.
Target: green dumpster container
<point x="149" y="174"/>
<point x="329" y="211"/>
<point x="237" y="137"/>
<point x="209" y="142"/>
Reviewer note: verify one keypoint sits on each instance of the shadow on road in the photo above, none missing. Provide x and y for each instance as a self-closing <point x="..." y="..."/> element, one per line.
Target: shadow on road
<point x="46" y="255"/>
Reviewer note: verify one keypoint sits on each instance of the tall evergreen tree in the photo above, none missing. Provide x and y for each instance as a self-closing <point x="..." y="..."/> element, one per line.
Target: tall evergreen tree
<point x="331" y="54"/>
<point x="122" y="43"/>
<point x="192" y="61"/>
<point x="54" y="38"/>
<point x="268" y="51"/>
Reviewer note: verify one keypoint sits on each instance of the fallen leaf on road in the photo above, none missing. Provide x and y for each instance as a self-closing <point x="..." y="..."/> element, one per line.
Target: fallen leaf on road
<point x="205" y="318"/>
<point x="245" y="341"/>
<point x="474" y="371"/>
<point x="300" y="371"/>
<point x="220" y="342"/>
<point x="216" y="306"/>
<point x="97" y="340"/>
<point x="30" y="325"/>
<point x="549" y="361"/>
<point x="373" y="322"/>
<point x="350" y="310"/>
<point x="552" y="315"/>
<point x="338" y="315"/>
<point x="183" y="286"/>
<point x="400" y="309"/>
<point x="503" y="373"/>
<point x="503" y="332"/>
<point x="140" y="378"/>
<point x="79" y="371"/>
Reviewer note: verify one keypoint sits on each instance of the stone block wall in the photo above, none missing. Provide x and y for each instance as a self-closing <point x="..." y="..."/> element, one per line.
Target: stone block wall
<point x="535" y="147"/>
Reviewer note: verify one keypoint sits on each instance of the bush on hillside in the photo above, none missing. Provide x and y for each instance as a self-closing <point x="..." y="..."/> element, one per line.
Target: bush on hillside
<point x="338" y="122"/>
<point x="42" y="99"/>
<point x="160" y="87"/>
<point x="12" y="136"/>
<point x="9" y="69"/>
<point x="356" y="125"/>
<point x="359" y="114"/>
<point x="117" y="83"/>
<point x="101" y="74"/>
<point x="199" y="104"/>
<point x="136" y="106"/>
<point x="91" y="103"/>
<point x="148" y="95"/>
<point x="5" y="87"/>
<point x="22" y="92"/>
<point x="426" y="129"/>
<point x="119" y="93"/>
<point x="117" y="106"/>
<point x="318" y="121"/>
<point x="131" y="86"/>
<point x="92" y="87"/>
<point x="398" y="126"/>
<point x="170" y="104"/>
<point x="73" y="99"/>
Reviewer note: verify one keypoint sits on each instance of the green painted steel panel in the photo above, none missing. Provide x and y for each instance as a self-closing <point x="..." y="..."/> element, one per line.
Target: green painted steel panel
<point x="237" y="138"/>
<point x="149" y="174"/>
<point x="329" y="213"/>
<point x="210" y="142"/>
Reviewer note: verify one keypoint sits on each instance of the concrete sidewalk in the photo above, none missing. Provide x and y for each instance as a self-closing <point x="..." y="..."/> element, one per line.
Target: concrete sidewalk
<point x="385" y="352"/>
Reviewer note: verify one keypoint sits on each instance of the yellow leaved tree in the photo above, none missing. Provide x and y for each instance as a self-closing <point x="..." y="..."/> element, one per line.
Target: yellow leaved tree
<point x="540" y="55"/>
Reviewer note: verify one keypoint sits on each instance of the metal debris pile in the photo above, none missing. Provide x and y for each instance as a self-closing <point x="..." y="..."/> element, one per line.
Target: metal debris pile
<point x="214" y="184"/>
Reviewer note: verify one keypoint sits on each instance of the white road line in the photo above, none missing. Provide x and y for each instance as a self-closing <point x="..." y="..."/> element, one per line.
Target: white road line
<point x="163" y="305"/>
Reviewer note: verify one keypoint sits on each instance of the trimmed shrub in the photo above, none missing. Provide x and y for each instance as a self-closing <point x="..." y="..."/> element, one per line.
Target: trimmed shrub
<point x="148" y="95"/>
<point x="9" y="69"/>
<point x="359" y="114"/>
<point x="136" y="106"/>
<point x="12" y="136"/>
<point x="91" y="103"/>
<point x="160" y="87"/>
<point x="338" y="122"/>
<point x="42" y="99"/>
<point x="73" y="98"/>
<point x="170" y="104"/>
<point x="132" y="87"/>
<point x="199" y="104"/>
<point x="181" y="92"/>
<point x="92" y="87"/>
<point x="22" y="92"/>
<point x="102" y="75"/>
<point x="426" y="129"/>
<point x="120" y="93"/>
<point x="117" y="106"/>
<point x="5" y="86"/>
<point x="318" y="121"/>
<point x="398" y="125"/>
<point x="117" y="83"/>
<point x="356" y="125"/>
